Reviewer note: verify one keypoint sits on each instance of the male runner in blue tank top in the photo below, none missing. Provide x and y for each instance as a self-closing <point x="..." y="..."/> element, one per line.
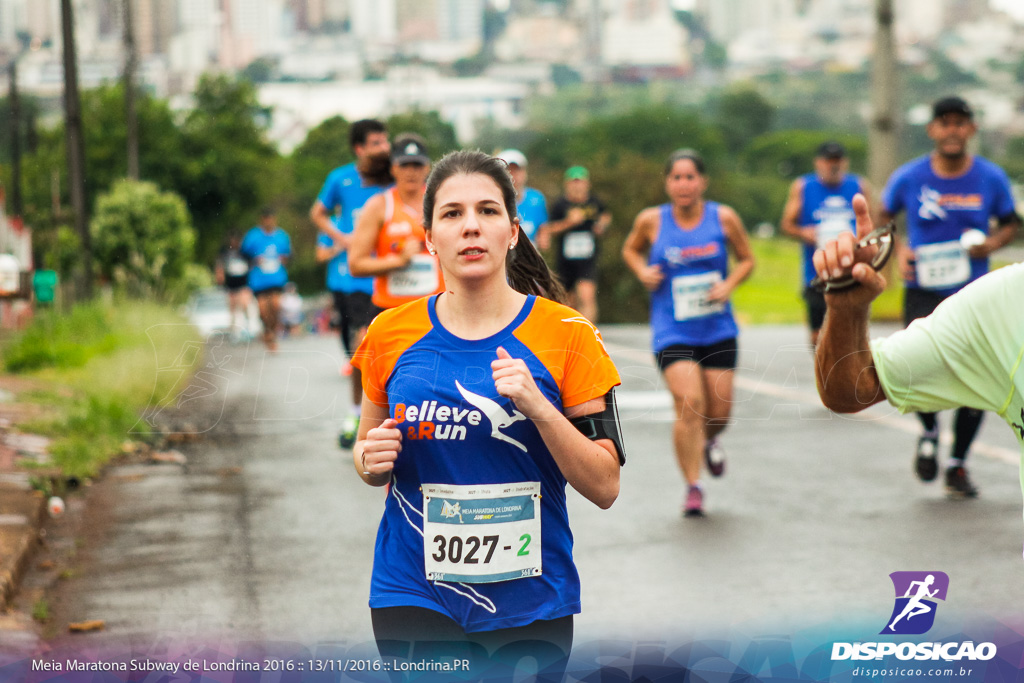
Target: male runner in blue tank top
<point x="950" y="196"/>
<point x="334" y="212"/>
<point x="818" y="210"/>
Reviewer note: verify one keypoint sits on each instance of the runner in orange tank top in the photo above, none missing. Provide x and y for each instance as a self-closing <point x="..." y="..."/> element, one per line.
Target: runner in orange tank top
<point x="389" y="241"/>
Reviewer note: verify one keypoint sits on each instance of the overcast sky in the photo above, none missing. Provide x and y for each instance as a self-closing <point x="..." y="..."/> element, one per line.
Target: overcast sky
<point x="1013" y="7"/>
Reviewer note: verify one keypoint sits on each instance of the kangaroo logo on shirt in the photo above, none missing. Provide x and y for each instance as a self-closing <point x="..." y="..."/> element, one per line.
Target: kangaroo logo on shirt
<point x="495" y="413"/>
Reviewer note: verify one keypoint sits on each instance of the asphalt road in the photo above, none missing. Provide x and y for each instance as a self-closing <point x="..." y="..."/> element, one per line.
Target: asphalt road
<point x="266" y="533"/>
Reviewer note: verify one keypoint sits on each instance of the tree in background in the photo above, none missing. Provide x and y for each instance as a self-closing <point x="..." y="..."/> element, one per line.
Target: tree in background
<point x="743" y="113"/>
<point x="438" y="133"/>
<point x="324" y="149"/>
<point x="790" y="153"/>
<point x="230" y="168"/>
<point x="1012" y="159"/>
<point x="142" y="238"/>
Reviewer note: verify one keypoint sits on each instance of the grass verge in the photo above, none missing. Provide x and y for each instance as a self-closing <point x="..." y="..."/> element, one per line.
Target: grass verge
<point x="772" y="295"/>
<point x="96" y="370"/>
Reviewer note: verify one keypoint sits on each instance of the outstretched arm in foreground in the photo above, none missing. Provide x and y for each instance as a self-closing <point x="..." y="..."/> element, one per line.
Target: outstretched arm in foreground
<point x="845" y="372"/>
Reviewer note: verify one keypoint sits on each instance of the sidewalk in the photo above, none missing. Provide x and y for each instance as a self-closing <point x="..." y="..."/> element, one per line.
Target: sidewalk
<point x="21" y="507"/>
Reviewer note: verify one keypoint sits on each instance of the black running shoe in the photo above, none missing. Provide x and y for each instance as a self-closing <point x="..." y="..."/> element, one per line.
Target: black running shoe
<point x="714" y="456"/>
<point x="958" y="484"/>
<point x="926" y="464"/>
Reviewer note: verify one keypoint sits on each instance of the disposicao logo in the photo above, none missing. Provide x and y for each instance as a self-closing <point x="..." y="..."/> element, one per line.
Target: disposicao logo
<point x="917" y="596"/>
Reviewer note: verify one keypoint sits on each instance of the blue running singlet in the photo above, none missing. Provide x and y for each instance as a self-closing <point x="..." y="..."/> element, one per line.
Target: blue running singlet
<point x="692" y="261"/>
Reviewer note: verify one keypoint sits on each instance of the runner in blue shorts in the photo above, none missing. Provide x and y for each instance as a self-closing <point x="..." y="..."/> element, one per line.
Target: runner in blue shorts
<point x="949" y="196"/>
<point x="679" y="251"/>
<point x="481" y="403"/>
<point x="334" y="212"/>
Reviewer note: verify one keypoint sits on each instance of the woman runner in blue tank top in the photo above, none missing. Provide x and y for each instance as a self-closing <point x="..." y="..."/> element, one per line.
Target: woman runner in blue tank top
<point x="679" y="251"/>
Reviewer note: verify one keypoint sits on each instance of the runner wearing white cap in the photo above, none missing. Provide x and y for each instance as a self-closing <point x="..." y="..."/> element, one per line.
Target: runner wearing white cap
<point x="530" y="203"/>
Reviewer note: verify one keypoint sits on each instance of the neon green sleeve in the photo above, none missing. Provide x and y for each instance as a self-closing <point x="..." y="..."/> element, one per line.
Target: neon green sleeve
<point x="964" y="354"/>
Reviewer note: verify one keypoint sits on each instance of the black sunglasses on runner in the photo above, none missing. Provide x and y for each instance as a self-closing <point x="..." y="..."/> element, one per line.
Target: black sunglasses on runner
<point x="882" y="238"/>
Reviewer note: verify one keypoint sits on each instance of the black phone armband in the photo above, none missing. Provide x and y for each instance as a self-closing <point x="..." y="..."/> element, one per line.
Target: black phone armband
<point x="603" y="425"/>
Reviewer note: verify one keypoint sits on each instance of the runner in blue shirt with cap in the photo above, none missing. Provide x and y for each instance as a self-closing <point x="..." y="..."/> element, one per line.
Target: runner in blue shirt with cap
<point x="334" y="212"/>
<point x="949" y="196"/>
<point x="819" y="209"/>
<point x="530" y="203"/>
<point x="268" y="248"/>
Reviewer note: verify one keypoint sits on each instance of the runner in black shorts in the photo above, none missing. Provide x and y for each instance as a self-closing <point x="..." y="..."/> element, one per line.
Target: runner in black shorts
<point x="680" y="252"/>
<point x="577" y="220"/>
<point x="232" y="272"/>
<point x="959" y="209"/>
<point x="817" y="210"/>
<point x="345" y="192"/>
<point x="718" y="356"/>
<point x="355" y="313"/>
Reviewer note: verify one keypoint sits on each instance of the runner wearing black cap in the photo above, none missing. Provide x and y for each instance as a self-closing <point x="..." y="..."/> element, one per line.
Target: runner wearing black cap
<point x="389" y="241"/>
<point x="950" y="196"/>
<point x="818" y="210"/>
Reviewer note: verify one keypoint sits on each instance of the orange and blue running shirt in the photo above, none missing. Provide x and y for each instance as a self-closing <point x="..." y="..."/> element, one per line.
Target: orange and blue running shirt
<point x="475" y="524"/>
<point x="422" y="277"/>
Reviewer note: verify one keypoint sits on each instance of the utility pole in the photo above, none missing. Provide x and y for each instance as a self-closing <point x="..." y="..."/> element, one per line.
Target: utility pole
<point x="131" y="116"/>
<point x="883" y="141"/>
<point x="16" y="204"/>
<point x="76" y="145"/>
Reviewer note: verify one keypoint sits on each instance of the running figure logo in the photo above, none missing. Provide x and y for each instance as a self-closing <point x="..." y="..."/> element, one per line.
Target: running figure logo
<point x="495" y="413"/>
<point x="448" y="510"/>
<point x="916" y="595"/>
<point x="931" y="204"/>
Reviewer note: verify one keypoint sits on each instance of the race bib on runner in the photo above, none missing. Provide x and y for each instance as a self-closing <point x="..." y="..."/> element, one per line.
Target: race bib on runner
<point x="419" y="278"/>
<point x="270" y="265"/>
<point x="690" y="295"/>
<point x="578" y="245"/>
<point x="942" y="265"/>
<point x="482" y="533"/>
<point x="237" y="266"/>
<point x="830" y="229"/>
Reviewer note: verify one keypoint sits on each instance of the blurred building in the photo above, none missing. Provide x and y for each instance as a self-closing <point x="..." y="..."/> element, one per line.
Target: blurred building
<point x="644" y="33"/>
<point x="155" y="25"/>
<point x="374" y="23"/>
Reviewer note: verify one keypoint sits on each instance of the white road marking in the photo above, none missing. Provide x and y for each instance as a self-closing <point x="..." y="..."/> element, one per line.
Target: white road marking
<point x="661" y="400"/>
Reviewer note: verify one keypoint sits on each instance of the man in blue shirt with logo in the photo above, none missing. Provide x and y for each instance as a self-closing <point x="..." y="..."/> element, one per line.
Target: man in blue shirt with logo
<point x="268" y="248"/>
<point x="334" y="212"/>
<point x="950" y="197"/>
<point x="530" y="203"/>
<point x="818" y="210"/>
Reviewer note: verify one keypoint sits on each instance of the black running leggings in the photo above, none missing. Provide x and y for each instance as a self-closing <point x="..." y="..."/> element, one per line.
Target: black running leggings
<point x="416" y="634"/>
<point x="966" y="423"/>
